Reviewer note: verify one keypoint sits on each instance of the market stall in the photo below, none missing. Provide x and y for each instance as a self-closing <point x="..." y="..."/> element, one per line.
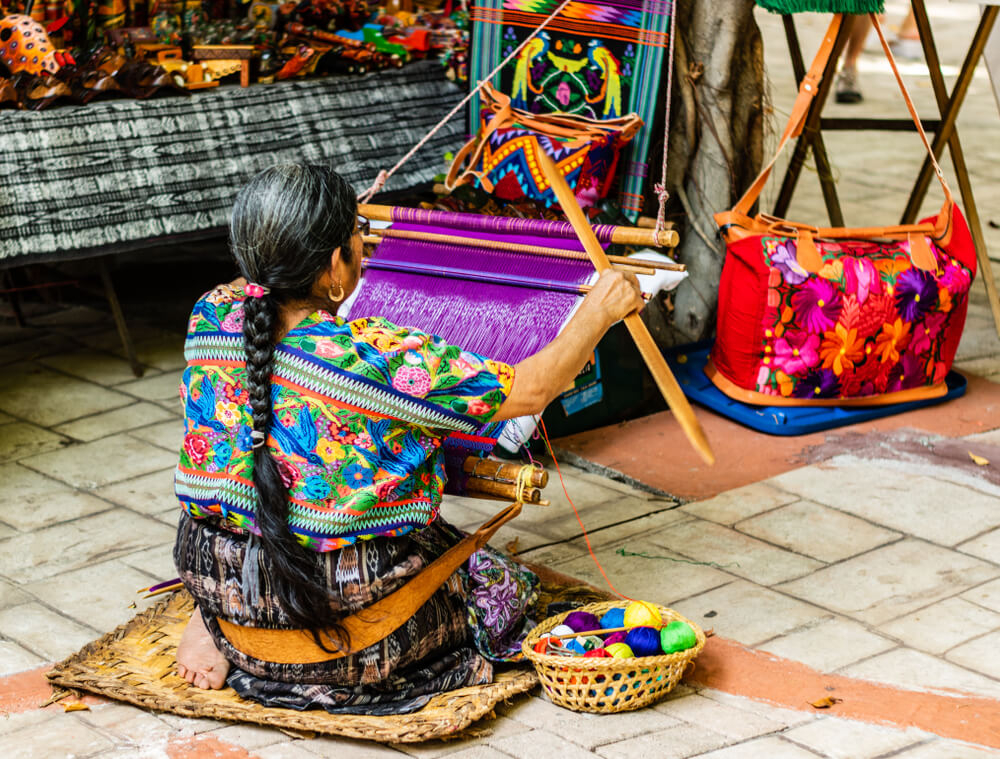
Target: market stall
<point x="115" y="175"/>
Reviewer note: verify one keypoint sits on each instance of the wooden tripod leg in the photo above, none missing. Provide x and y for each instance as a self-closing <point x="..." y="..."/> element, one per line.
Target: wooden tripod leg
<point x="119" y="317"/>
<point x="651" y="354"/>
<point x="949" y="108"/>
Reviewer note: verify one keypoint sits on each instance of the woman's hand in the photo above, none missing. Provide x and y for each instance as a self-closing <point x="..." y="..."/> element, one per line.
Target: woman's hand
<point x="615" y="295"/>
<point x="541" y="377"/>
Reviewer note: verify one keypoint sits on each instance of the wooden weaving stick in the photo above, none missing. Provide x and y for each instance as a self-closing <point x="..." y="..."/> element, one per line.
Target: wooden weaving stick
<point x="639" y="267"/>
<point x="657" y="365"/>
<point x="644" y="236"/>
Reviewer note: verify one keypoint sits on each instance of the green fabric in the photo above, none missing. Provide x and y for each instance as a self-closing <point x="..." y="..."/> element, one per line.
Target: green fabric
<point x="823" y="6"/>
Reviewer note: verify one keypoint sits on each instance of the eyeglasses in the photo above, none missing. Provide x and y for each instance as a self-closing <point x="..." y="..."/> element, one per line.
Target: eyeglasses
<point x="364" y="228"/>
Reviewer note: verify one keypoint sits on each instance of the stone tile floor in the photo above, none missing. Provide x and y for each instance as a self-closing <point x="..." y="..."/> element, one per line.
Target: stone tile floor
<point x="883" y="569"/>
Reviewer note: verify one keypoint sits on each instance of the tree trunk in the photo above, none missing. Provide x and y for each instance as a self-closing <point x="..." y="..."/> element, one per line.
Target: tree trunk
<point x="715" y="147"/>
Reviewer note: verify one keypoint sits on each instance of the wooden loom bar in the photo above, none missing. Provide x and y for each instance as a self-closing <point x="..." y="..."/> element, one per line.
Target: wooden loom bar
<point x="642" y="236"/>
<point x="665" y="379"/>
<point x="498" y="470"/>
<point x="477" y="487"/>
<point x="473" y="242"/>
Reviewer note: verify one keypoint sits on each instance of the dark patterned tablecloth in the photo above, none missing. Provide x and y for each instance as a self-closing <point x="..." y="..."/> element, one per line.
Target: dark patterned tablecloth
<point x="109" y="176"/>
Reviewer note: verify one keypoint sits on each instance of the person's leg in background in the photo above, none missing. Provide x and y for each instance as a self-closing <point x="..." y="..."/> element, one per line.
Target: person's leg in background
<point x="848" y="90"/>
<point x="907" y="45"/>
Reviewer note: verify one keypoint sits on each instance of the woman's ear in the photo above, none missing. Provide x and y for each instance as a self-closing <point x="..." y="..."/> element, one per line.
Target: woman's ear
<point x="335" y="260"/>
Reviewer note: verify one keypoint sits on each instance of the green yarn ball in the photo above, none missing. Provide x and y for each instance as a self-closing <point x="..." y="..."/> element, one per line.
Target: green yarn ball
<point x="677" y="636"/>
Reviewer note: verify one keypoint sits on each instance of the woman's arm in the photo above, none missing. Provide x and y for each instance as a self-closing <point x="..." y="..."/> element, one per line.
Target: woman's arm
<point x="538" y="379"/>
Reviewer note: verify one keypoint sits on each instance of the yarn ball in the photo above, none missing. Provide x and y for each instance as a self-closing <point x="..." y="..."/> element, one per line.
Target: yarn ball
<point x="677" y="636"/>
<point x="615" y="637"/>
<point x="562" y="630"/>
<point x="613" y="618"/>
<point x="582" y="621"/>
<point x="576" y="646"/>
<point x="644" y="641"/>
<point x="597" y="653"/>
<point x="619" y="650"/>
<point x="643" y="614"/>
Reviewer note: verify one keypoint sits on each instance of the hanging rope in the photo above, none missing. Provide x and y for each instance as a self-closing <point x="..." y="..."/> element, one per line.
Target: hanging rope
<point x="383" y="175"/>
<point x="661" y="189"/>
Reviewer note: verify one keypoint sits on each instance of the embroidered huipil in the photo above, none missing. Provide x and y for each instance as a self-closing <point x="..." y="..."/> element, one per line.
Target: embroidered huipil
<point x="360" y="410"/>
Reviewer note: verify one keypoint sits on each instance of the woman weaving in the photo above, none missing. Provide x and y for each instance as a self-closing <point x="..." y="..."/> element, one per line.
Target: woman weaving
<point x="311" y="473"/>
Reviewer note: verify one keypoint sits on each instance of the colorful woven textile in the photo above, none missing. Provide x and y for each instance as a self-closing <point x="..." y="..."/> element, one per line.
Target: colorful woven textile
<point x="109" y="176"/>
<point x="361" y="410"/>
<point x="479" y="616"/>
<point x="596" y="60"/>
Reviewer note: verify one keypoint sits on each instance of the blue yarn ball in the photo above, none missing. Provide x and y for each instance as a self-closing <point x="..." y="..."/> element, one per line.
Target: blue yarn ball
<point x="582" y="621"/>
<point x="613" y="618"/>
<point x="644" y="641"/>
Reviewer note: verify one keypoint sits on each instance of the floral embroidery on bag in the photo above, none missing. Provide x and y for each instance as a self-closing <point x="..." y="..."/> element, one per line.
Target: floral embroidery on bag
<point x="867" y="323"/>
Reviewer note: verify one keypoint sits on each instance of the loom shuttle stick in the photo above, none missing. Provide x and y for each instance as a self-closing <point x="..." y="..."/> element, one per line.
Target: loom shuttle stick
<point x="638" y="236"/>
<point x="657" y="365"/>
<point x="602" y="631"/>
<point x="474" y="242"/>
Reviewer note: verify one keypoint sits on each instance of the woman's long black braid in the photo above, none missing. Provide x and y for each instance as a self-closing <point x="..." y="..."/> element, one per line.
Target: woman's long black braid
<point x="286" y="224"/>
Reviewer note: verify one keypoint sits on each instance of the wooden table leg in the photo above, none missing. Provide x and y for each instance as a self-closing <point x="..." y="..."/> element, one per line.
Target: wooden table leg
<point x="12" y="296"/>
<point x="119" y="317"/>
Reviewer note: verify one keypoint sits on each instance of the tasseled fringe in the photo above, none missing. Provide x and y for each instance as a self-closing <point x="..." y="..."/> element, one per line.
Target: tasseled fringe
<point x="823" y="6"/>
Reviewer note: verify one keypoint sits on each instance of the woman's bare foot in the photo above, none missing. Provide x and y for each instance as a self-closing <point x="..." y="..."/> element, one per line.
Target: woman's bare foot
<point x="198" y="660"/>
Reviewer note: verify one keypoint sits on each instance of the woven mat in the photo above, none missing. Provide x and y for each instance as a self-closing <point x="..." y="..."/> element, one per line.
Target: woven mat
<point x="135" y="663"/>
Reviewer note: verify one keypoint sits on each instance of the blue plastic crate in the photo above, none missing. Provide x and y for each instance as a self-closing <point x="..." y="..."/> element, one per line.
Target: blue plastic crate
<point x="689" y="365"/>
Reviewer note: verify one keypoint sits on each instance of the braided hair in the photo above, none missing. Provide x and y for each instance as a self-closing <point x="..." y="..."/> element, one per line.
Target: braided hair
<point x="286" y="223"/>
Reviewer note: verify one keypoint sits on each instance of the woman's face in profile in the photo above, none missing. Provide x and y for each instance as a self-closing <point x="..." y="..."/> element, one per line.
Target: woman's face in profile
<point x="353" y="270"/>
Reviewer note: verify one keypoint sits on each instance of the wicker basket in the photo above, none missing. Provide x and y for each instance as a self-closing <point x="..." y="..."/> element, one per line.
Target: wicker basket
<point x="605" y="685"/>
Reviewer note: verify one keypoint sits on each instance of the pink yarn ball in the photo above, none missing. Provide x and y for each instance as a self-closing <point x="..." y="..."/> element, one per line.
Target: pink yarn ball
<point x="618" y="637"/>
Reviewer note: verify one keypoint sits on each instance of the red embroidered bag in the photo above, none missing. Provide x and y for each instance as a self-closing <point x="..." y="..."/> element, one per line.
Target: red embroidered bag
<point x="839" y="316"/>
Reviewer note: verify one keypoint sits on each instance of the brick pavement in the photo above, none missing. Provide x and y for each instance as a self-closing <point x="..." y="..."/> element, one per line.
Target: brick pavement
<point x="875" y="564"/>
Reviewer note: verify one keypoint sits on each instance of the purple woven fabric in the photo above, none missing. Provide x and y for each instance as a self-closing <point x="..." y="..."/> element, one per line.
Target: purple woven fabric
<point x="451" y="220"/>
<point x="499" y="321"/>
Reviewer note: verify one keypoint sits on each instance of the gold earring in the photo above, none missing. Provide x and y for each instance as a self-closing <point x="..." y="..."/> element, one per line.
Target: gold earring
<point x="339" y="296"/>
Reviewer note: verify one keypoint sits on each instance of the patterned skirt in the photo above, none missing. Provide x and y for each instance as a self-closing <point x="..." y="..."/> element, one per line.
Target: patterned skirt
<point x="478" y="618"/>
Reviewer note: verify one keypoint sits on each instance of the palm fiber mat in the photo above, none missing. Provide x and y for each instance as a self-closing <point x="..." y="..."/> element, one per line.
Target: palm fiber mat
<point x="135" y="663"/>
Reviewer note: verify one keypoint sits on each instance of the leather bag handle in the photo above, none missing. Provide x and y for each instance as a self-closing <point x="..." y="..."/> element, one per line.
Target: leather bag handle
<point x="796" y="122"/>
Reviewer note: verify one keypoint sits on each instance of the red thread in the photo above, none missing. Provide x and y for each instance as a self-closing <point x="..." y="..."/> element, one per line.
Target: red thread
<point x="576" y="513"/>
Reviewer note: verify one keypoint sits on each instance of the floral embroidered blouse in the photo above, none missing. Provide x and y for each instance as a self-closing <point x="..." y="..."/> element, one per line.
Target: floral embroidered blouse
<point x="360" y="411"/>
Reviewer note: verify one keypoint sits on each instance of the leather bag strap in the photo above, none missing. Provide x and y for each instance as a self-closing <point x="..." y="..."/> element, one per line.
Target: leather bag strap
<point x="797" y="118"/>
<point x="800" y="111"/>
<point x="576" y="129"/>
<point x="372" y="624"/>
